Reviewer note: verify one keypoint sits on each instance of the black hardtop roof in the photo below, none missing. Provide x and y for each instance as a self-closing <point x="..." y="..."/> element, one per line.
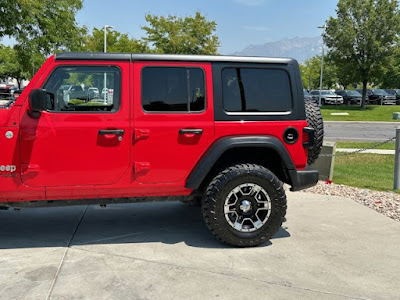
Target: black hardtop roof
<point x="170" y="57"/>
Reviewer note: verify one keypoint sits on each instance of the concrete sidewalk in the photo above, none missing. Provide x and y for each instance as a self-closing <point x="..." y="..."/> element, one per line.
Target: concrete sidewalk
<point x="374" y="151"/>
<point x="329" y="248"/>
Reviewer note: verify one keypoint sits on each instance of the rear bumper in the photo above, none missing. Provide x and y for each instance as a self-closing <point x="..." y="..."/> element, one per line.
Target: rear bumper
<point x="303" y="179"/>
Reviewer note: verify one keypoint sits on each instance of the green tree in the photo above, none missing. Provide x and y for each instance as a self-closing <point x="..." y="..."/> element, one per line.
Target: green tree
<point x="391" y="75"/>
<point x="189" y="35"/>
<point x="10" y="64"/>
<point x="116" y="42"/>
<point x="47" y="25"/>
<point x="362" y="37"/>
<point x="39" y="29"/>
<point x="311" y="73"/>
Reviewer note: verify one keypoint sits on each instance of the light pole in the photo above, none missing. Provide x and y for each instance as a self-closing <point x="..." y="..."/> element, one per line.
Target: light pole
<point x="105" y="51"/>
<point x="322" y="64"/>
<point x="105" y="36"/>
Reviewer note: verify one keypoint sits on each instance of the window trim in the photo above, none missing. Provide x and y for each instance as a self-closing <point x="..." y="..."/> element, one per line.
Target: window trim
<point x="188" y="103"/>
<point x="266" y="113"/>
<point x="87" y="111"/>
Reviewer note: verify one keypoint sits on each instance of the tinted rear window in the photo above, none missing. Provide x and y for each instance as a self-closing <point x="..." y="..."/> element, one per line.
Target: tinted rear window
<point x="256" y="90"/>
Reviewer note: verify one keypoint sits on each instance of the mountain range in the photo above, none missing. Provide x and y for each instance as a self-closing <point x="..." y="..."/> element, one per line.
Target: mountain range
<point x="300" y="48"/>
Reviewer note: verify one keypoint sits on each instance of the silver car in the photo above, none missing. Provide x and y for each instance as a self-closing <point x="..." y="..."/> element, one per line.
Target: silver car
<point x="327" y="97"/>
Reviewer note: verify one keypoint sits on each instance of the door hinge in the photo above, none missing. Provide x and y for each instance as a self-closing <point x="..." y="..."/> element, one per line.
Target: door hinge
<point x="141" y="134"/>
<point x="142" y="166"/>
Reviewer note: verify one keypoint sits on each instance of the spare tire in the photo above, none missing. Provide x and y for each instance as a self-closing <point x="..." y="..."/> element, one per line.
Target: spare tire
<point x="314" y="120"/>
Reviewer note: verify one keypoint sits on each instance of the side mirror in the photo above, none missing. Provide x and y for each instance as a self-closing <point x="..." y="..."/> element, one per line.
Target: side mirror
<point x="37" y="102"/>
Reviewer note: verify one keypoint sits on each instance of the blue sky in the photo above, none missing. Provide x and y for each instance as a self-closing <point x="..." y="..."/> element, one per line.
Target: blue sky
<point x="240" y="22"/>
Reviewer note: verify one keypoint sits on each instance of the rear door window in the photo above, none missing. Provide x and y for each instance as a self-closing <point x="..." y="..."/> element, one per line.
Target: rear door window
<point x="173" y="89"/>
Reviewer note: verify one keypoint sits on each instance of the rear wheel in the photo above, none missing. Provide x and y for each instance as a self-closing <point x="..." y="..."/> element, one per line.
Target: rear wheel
<point x="314" y="119"/>
<point x="244" y="205"/>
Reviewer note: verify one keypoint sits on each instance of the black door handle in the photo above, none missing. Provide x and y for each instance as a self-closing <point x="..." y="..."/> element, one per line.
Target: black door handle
<point x="190" y="131"/>
<point x="111" y="131"/>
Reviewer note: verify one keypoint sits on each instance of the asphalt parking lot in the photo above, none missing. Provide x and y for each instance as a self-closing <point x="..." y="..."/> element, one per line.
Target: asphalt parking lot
<point x="329" y="248"/>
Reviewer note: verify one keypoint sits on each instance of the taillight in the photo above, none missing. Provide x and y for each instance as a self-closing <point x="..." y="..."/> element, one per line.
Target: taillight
<point x="308" y="137"/>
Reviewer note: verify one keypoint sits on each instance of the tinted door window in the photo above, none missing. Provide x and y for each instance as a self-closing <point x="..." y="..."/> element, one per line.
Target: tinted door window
<point x="256" y="90"/>
<point x="173" y="89"/>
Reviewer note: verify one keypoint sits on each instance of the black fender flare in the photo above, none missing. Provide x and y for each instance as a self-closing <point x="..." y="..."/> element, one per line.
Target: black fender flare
<point x="216" y="150"/>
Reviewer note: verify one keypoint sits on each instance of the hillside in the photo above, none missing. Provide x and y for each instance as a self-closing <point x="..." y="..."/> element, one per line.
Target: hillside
<point x="300" y="48"/>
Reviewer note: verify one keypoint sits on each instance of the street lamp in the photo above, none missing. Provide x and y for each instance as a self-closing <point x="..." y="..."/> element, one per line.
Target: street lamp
<point x="322" y="64"/>
<point x="105" y="51"/>
<point x="105" y="36"/>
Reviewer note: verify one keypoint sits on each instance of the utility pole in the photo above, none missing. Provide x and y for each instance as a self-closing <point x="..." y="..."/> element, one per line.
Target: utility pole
<point x="105" y="51"/>
<point x="396" y="184"/>
<point x="322" y="64"/>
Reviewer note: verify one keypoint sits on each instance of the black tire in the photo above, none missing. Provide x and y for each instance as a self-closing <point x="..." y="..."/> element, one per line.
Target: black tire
<point x="224" y="184"/>
<point x="314" y="120"/>
<point x="323" y="102"/>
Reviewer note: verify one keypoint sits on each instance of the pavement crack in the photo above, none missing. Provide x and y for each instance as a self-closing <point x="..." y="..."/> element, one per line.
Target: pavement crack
<point x="221" y="273"/>
<point x="65" y="254"/>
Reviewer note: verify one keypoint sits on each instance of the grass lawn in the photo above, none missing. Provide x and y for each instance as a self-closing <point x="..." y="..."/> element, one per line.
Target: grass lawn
<point x="382" y="113"/>
<point x="362" y="145"/>
<point x="371" y="171"/>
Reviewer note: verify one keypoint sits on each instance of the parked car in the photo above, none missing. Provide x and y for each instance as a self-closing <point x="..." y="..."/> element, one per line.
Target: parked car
<point x="350" y="96"/>
<point x="74" y="92"/>
<point x="307" y="95"/>
<point x="327" y="97"/>
<point x="5" y="92"/>
<point x="397" y="94"/>
<point x="391" y="92"/>
<point x="369" y="93"/>
<point x="394" y="93"/>
<point x="230" y="153"/>
<point x="17" y="93"/>
<point x="379" y="96"/>
<point x="93" y="93"/>
<point x="13" y="89"/>
<point x="5" y="103"/>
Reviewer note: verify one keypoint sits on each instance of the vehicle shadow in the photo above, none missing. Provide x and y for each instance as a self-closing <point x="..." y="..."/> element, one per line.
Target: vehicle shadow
<point x="168" y="223"/>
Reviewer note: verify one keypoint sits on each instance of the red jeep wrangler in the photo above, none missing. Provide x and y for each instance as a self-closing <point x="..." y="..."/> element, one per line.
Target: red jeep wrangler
<point x="223" y="131"/>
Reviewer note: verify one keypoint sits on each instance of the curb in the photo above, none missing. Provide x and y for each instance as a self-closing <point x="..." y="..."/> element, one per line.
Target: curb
<point x="374" y="151"/>
<point x="364" y="122"/>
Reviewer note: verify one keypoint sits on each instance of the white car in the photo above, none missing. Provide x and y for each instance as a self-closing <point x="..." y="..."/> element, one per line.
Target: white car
<point x="93" y="93"/>
<point x="327" y="97"/>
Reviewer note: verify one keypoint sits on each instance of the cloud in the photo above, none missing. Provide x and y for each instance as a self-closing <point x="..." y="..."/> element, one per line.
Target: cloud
<point x="250" y="2"/>
<point x="256" y="28"/>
